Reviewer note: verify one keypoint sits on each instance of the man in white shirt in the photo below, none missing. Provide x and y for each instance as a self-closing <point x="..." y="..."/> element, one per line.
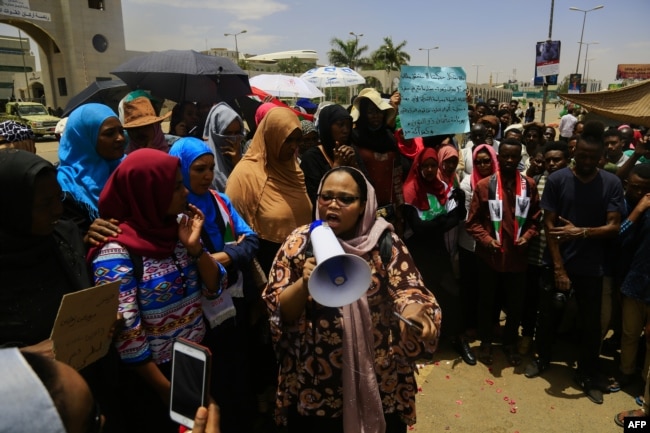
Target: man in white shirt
<point x="567" y="124"/>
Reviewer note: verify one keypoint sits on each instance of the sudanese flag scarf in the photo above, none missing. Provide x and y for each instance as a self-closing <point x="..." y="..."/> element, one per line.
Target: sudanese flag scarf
<point x="495" y="203"/>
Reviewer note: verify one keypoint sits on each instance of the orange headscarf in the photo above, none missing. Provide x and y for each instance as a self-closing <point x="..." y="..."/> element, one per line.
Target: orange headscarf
<point x="270" y="194"/>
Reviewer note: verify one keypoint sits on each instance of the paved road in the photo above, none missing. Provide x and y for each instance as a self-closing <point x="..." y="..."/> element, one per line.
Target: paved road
<point x="48" y="149"/>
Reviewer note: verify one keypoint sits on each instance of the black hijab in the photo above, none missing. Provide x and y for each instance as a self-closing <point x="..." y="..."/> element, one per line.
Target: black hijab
<point x="36" y="271"/>
<point x="380" y="140"/>
<point x="328" y="116"/>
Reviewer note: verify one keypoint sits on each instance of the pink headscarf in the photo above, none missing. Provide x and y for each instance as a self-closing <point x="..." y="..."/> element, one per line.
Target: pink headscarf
<point x="493" y="155"/>
<point x="262" y="110"/>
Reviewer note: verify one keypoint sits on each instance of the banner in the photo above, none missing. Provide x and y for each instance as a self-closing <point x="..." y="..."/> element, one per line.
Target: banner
<point x="547" y="58"/>
<point x="633" y="72"/>
<point x="434" y="101"/>
<point x="574" y="83"/>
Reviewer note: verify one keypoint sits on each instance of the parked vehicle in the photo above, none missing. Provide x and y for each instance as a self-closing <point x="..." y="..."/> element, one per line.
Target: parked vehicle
<point x="33" y="114"/>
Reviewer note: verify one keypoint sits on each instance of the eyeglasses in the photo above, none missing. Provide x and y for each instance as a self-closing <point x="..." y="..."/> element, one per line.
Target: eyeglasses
<point x="343" y="201"/>
<point x="233" y="138"/>
<point x="95" y="420"/>
<point x="482" y="162"/>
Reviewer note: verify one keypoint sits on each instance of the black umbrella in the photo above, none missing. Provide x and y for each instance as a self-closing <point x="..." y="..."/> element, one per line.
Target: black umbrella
<point x="185" y="75"/>
<point x="109" y="92"/>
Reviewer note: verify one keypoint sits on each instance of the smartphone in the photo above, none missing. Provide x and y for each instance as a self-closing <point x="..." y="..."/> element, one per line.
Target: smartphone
<point x="190" y="380"/>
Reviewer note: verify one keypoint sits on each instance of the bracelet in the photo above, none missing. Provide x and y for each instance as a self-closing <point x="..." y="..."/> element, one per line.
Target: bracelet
<point x="198" y="256"/>
<point x="584" y="233"/>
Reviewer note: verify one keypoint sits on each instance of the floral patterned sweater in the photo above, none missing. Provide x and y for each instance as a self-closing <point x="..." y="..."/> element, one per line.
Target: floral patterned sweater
<point x="310" y="349"/>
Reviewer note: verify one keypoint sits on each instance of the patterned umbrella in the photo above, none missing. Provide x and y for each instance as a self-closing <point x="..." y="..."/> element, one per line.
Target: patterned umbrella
<point x="333" y="76"/>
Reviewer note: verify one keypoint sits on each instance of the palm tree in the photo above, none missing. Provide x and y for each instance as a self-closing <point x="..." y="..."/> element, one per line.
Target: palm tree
<point x="346" y="53"/>
<point x="390" y="56"/>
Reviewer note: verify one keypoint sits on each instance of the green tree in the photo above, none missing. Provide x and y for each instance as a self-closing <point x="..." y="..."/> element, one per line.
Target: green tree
<point x="293" y="66"/>
<point x="346" y="53"/>
<point x="390" y="56"/>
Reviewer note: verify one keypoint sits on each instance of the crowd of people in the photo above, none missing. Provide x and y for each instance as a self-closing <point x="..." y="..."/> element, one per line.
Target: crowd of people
<point x="207" y="230"/>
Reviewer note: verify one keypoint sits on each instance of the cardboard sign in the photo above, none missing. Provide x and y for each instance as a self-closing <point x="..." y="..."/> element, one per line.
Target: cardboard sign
<point x="81" y="328"/>
<point x="433" y="101"/>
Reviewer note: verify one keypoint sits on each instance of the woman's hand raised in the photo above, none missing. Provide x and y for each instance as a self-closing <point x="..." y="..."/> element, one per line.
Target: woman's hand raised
<point x="189" y="229"/>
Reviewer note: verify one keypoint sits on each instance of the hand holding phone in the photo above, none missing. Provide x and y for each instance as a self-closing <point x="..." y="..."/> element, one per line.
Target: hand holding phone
<point x="190" y="381"/>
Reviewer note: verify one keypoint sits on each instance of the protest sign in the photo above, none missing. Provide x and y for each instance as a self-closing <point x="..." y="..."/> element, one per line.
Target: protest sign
<point x="434" y="101"/>
<point x="81" y="329"/>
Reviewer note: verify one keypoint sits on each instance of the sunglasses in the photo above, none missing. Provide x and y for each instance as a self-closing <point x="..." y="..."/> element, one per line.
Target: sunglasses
<point x="482" y="162"/>
<point x="343" y="201"/>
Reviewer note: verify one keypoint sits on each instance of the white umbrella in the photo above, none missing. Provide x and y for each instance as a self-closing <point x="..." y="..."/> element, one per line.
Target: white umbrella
<point x="333" y="76"/>
<point x="285" y="86"/>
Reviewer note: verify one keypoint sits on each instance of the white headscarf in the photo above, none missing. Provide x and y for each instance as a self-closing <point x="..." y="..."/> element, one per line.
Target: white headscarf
<point x="25" y="404"/>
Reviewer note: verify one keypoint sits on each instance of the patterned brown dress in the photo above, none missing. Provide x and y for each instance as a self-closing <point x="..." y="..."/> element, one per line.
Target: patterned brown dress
<point x="310" y="349"/>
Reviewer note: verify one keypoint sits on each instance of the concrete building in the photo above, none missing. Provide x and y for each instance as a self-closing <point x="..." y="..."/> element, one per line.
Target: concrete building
<point x="18" y="75"/>
<point x="79" y="41"/>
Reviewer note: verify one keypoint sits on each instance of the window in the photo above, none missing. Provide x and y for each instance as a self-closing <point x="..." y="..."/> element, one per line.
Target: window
<point x="96" y="4"/>
<point x="100" y="43"/>
<point x="63" y="87"/>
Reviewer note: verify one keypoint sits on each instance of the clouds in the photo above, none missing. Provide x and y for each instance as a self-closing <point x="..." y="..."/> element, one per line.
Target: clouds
<point x="249" y="9"/>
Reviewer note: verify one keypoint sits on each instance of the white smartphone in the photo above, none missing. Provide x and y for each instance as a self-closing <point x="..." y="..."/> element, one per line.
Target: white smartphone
<point x="190" y="381"/>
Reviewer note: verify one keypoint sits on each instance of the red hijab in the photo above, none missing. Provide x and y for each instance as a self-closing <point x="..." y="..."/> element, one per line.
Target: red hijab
<point x="138" y="194"/>
<point x="493" y="156"/>
<point x="416" y="187"/>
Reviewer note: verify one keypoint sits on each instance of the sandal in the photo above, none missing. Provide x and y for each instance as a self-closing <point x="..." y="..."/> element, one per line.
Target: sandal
<point x="639" y="400"/>
<point x="485" y="354"/>
<point x="512" y="356"/>
<point x="619" y="418"/>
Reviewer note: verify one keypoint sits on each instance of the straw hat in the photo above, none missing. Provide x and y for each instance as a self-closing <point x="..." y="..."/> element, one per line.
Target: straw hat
<point x="374" y="96"/>
<point x="139" y="112"/>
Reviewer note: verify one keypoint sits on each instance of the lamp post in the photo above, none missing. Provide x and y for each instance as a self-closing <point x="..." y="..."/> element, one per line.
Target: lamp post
<point x="584" y="67"/>
<point x="497" y="73"/>
<point x="236" y="46"/>
<point x="584" y="19"/>
<point x="356" y="47"/>
<point x="477" y="66"/>
<point x="428" y="50"/>
<point x="588" y="61"/>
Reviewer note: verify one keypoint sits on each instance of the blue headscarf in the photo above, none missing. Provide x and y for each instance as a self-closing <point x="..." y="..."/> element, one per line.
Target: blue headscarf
<point x="188" y="149"/>
<point x="82" y="172"/>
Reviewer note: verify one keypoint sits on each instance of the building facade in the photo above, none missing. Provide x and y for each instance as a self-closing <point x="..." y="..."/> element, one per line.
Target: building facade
<point x="79" y="41"/>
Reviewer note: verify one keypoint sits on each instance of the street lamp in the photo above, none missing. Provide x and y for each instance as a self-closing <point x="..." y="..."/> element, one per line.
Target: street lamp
<point x="588" y="61"/>
<point x="236" y="46"/>
<point x="497" y="73"/>
<point x="356" y="47"/>
<point x="584" y="67"/>
<point x="583" y="28"/>
<point x="428" y="50"/>
<point x="477" y="66"/>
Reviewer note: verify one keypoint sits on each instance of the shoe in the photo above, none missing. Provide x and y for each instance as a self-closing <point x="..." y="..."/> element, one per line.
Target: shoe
<point x="512" y="356"/>
<point x="523" y="347"/>
<point x="485" y="354"/>
<point x="462" y="347"/>
<point x="590" y="389"/>
<point x="535" y="368"/>
<point x="619" y="418"/>
<point x="625" y="379"/>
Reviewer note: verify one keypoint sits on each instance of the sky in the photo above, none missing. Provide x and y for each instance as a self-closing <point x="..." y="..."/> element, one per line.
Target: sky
<point x="500" y="35"/>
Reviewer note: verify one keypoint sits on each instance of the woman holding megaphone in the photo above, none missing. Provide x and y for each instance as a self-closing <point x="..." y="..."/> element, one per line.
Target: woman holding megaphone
<point x="349" y="368"/>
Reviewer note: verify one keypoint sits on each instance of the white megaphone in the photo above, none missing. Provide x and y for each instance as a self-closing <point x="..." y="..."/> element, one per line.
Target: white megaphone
<point x="339" y="278"/>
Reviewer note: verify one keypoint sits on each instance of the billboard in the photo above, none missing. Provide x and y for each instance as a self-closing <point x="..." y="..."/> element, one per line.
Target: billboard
<point x="575" y="83"/>
<point x="633" y="72"/>
<point x="547" y="58"/>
